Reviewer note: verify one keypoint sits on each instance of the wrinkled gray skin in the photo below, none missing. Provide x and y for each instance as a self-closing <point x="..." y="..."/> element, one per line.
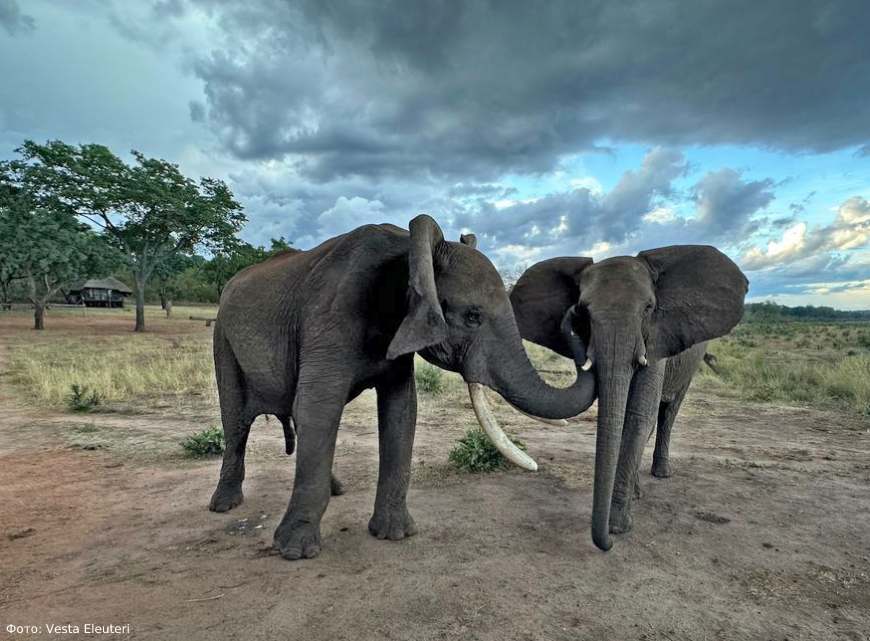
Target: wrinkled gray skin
<point x="629" y="311"/>
<point x="302" y="334"/>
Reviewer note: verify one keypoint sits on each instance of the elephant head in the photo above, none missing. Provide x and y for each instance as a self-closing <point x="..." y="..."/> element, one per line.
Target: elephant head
<point x="460" y="318"/>
<point x="628" y="312"/>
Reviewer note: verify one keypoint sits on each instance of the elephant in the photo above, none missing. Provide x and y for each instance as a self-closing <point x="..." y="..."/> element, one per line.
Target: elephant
<point x="303" y="333"/>
<point x="644" y="321"/>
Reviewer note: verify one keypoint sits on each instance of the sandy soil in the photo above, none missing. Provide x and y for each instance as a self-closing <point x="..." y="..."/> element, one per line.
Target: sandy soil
<point x="763" y="533"/>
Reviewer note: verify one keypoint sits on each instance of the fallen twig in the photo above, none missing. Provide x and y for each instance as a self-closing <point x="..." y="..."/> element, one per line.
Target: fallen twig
<point x="207" y="598"/>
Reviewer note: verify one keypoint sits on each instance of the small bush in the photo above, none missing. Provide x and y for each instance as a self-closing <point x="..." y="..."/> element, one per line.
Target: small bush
<point x="208" y="442"/>
<point x="430" y="379"/>
<point x="476" y="453"/>
<point x="81" y="399"/>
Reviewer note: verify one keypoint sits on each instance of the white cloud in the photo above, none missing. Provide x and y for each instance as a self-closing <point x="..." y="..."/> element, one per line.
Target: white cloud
<point x="660" y="215"/>
<point x="850" y="230"/>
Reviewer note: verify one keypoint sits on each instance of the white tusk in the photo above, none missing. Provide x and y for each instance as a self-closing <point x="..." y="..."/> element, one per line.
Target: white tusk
<point x="642" y="360"/>
<point x="487" y="421"/>
<point x="557" y="422"/>
<point x="587" y="365"/>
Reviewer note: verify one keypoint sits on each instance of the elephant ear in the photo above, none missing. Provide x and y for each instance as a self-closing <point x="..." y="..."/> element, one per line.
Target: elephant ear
<point x="424" y="324"/>
<point x="699" y="296"/>
<point x="541" y="297"/>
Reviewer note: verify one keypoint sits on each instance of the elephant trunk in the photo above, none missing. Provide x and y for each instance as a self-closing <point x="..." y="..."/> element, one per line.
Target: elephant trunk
<point x="614" y="374"/>
<point x="510" y="373"/>
<point x="516" y="379"/>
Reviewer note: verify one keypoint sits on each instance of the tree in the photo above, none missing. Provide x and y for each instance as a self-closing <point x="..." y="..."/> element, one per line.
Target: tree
<point x="45" y="247"/>
<point x="225" y="265"/>
<point x="166" y="274"/>
<point x="10" y="260"/>
<point x="149" y="210"/>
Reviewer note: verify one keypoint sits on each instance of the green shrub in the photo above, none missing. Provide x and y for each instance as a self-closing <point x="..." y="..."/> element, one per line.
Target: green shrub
<point x="208" y="442"/>
<point x="476" y="453"/>
<point x="81" y="399"/>
<point x="430" y="379"/>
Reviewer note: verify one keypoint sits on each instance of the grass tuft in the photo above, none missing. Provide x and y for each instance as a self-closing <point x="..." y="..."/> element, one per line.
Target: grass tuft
<point x="430" y="379"/>
<point x="82" y="399"/>
<point x="209" y="442"/>
<point x="476" y="453"/>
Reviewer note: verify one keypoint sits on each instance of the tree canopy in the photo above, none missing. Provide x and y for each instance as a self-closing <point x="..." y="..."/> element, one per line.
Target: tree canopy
<point x="45" y="247"/>
<point x="148" y="210"/>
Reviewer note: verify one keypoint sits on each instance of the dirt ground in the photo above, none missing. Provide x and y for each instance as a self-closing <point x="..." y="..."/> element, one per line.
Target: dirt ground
<point x="762" y="533"/>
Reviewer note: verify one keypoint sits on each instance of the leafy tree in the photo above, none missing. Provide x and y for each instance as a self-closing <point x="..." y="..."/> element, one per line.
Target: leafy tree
<point x="225" y="265"/>
<point x="45" y="247"/>
<point x="149" y="210"/>
<point x="166" y="275"/>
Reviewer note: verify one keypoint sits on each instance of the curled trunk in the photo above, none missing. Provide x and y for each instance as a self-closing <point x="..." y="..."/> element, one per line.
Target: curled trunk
<point x="521" y="386"/>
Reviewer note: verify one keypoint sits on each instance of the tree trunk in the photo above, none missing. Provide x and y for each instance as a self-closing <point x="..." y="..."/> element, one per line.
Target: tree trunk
<point x="140" y="305"/>
<point x="39" y="316"/>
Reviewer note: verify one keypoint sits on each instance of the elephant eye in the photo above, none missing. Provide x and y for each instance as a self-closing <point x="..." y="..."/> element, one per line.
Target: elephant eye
<point x="472" y="318"/>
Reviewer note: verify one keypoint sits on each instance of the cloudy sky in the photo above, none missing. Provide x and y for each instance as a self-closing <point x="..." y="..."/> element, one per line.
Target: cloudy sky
<point x="568" y="127"/>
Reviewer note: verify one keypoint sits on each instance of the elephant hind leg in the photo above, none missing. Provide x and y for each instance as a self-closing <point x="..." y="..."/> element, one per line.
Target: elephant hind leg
<point x="236" y="422"/>
<point x="661" y="466"/>
<point x="336" y="488"/>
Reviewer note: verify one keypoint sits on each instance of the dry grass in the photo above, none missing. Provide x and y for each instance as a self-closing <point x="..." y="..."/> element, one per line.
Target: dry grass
<point x="826" y="364"/>
<point x="117" y="368"/>
<point x="99" y="351"/>
<point x="822" y="364"/>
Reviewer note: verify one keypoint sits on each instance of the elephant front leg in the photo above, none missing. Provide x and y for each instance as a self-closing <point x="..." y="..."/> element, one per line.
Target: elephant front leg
<point x="397" y="416"/>
<point x="643" y="402"/>
<point x="317" y="413"/>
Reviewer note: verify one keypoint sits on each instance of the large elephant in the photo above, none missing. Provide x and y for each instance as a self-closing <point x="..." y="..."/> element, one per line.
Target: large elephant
<point x="643" y="320"/>
<point x="302" y="334"/>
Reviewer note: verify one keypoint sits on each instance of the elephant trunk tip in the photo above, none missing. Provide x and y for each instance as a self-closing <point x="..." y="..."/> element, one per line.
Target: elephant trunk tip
<point x="602" y="539"/>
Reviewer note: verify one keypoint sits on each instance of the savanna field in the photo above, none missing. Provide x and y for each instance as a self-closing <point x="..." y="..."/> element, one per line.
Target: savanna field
<point x="108" y="458"/>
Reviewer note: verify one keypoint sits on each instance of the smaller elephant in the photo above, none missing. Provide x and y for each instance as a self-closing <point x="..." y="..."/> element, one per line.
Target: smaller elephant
<point x="644" y="322"/>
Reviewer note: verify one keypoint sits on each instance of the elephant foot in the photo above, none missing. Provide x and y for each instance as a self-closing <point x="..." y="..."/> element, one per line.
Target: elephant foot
<point x="335" y="486"/>
<point x="226" y="497"/>
<point x="661" y="468"/>
<point x="297" y="540"/>
<point x="394" y="524"/>
<point x="620" y="519"/>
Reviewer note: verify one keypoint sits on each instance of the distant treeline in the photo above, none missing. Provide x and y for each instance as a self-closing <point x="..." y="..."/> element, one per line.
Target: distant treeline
<point x="769" y="311"/>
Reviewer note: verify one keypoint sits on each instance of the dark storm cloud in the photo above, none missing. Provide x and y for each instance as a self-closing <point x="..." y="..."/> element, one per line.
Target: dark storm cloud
<point x="476" y="89"/>
<point x="12" y="20"/>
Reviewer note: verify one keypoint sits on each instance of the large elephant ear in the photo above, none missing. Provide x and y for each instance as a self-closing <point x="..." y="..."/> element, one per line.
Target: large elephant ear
<point x="699" y="296"/>
<point x="424" y="324"/>
<point x="541" y="297"/>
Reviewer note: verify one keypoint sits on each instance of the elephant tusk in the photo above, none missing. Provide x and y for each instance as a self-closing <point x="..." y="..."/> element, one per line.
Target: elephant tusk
<point x="487" y="421"/>
<point x="642" y="360"/>
<point x="587" y="365"/>
<point x="557" y="422"/>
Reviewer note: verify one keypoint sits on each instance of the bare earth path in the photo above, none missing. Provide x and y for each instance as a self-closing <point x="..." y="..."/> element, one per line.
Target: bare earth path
<point x="763" y="533"/>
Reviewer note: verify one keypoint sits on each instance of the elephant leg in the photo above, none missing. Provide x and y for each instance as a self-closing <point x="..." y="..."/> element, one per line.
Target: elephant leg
<point x="317" y="413"/>
<point x="336" y="486"/>
<point x="661" y="466"/>
<point x="237" y="425"/>
<point x="397" y="416"/>
<point x="643" y="401"/>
